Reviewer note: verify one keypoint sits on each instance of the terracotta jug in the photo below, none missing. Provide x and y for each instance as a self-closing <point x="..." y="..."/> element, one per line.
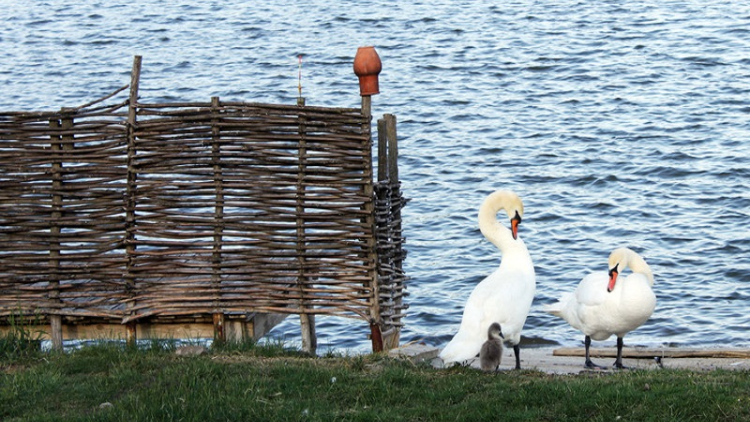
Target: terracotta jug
<point x="367" y="66"/>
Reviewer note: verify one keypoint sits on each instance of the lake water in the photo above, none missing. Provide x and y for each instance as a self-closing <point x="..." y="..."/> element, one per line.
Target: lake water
<point x="620" y="124"/>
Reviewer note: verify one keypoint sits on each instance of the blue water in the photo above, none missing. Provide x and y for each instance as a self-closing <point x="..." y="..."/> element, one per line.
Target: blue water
<point x="620" y="124"/>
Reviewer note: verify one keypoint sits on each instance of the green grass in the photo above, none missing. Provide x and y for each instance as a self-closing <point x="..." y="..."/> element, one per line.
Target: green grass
<point x="20" y="341"/>
<point x="271" y="383"/>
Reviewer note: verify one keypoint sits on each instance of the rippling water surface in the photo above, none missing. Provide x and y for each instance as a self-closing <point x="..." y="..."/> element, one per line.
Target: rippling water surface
<point x="618" y="123"/>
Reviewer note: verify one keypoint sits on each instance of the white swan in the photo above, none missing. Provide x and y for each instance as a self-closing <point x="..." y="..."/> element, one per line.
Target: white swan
<point x="503" y="297"/>
<point x="603" y="305"/>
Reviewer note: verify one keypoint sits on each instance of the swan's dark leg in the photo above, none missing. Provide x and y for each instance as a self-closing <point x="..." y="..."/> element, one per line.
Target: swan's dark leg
<point x="589" y="364"/>
<point x="517" y="351"/>
<point x="618" y="361"/>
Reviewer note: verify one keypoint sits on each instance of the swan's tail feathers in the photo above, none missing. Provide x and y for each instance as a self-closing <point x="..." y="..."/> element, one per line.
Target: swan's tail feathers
<point x="459" y="350"/>
<point x="554" y="309"/>
<point x="559" y="308"/>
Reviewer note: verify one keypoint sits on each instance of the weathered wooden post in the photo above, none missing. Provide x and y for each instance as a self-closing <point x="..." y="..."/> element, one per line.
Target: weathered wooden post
<point x="392" y="338"/>
<point x="54" y="252"/>
<point x="367" y="67"/>
<point x="130" y="327"/>
<point x="382" y="151"/>
<point x="218" y="315"/>
<point x="60" y="143"/>
<point x="306" y="320"/>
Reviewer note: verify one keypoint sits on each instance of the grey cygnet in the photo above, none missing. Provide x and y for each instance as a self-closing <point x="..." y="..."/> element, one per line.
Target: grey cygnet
<point x="492" y="349"/>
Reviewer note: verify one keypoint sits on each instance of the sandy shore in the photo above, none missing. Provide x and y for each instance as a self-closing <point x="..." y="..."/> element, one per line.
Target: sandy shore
<point x="570" y="361"/>
<point x="545" y="360"/>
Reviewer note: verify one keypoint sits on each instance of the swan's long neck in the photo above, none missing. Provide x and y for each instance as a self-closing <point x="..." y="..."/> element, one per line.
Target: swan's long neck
<point x="637" y="264"/>
<point x="496" y="233"/>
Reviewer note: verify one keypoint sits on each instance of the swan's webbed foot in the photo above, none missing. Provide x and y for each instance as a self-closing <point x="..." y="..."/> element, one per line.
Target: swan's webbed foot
<point x="619" y="365"/>
<point x="591" y="365"/>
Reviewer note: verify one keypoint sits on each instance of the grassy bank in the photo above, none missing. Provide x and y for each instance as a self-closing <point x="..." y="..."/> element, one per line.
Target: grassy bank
<point x="113" y="383"/>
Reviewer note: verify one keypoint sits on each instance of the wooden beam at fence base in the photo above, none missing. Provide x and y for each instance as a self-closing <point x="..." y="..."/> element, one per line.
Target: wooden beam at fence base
<point x="176" y="331"/>
<point x="236" y="330"/>
<point x="113" y="331"/>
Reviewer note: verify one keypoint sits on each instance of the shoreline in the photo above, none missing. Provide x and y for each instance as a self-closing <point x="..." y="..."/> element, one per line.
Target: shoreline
<point x="566" y="360"/>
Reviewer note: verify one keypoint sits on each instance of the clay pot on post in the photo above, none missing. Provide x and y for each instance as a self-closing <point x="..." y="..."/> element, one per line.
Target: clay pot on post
<point x="367" y="67"/>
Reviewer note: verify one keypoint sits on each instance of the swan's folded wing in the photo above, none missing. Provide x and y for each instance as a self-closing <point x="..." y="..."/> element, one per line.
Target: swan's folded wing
<point x="592" y="291"/>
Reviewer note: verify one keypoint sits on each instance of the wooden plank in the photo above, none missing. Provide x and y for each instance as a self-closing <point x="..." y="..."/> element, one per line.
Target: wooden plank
<point x="94" y="331"/>
<point x="236" y="330"/>
<point x="650" y="353"/>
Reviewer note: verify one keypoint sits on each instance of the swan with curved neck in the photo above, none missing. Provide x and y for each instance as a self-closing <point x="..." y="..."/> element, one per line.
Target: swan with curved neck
<point x="503" y="297"/>
<point x="605" y="303"/>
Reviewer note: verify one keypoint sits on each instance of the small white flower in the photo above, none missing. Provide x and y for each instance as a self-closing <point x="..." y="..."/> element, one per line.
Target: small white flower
<point x="333" y="380"/>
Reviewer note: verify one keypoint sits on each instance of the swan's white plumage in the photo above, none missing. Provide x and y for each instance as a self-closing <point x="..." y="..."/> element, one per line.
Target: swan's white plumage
<point x="503" y="297"/>
<point x="598" y="313"/>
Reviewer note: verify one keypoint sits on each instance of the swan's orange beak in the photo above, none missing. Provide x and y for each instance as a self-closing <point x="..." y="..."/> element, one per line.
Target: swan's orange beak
<point x="514" y="222"/>
<point x="612" y="279"/>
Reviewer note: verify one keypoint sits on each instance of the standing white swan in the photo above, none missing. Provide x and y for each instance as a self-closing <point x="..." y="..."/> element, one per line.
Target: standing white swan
<point x="505" y="296"/>
<point x="603" y="305"/>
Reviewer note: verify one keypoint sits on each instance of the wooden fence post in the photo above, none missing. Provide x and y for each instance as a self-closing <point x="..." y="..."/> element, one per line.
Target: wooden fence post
<point x="130" y="282"/>
<point x="54" y="247"/>
<point x="218" y="317"/>
<point x="382" y="151"/>
<point x="375" y="318"/>
<point x="307" y="321"/>
<point x="392" y="137"/>
<point x="393" y="339"/>
<point x="60" y="143"/>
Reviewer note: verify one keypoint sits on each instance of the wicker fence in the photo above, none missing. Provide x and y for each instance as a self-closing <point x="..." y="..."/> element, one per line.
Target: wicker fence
<point x="138" y="213"/>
